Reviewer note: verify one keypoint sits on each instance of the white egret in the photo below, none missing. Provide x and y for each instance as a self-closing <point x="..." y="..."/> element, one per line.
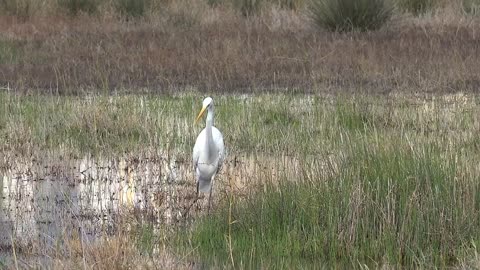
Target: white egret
<point x="208" y="151"/>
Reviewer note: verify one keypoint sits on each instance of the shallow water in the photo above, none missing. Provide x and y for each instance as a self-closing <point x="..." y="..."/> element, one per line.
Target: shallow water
<point x="42" y="201"/>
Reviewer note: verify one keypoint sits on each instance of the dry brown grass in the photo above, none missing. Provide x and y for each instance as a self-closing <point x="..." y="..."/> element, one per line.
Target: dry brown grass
<point x="118" y="252"/>
<point x="114" y="252"/>
<point x="217" y="49"/>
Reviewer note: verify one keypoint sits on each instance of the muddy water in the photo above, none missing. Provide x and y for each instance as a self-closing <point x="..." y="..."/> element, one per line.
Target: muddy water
<point x="43" y="201"/>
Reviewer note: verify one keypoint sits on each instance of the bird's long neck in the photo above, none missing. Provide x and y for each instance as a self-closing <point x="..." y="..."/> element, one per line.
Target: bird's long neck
<point x="208" y="131"/>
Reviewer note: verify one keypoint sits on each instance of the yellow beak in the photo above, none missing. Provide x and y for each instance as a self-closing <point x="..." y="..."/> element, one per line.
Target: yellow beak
<point x="200" y="114"/>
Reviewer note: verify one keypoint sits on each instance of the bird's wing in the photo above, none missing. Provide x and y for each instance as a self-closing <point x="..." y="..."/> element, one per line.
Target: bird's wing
<point x="218" y="140"/>
<point x="197" y="148"/>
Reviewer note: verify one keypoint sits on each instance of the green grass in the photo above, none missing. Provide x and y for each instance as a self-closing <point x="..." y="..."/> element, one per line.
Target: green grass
<point x="248" y="7"/>
<point x="132" y="8"/>
<point x="145" y="239"/>
<point x="404" y="194"/>
<point x="74" y="7"/>
<point x="9" y="51"/>
<point x="350" y="15"/>
<point x="94" y="125"/>
<point x="121" y="124"/>
<point x="471" y="7"/>
<point x="388" y="204"/>
<point x="23" y="9"/>
<point x="266" y="123"/>
<point x="416" y="7"/>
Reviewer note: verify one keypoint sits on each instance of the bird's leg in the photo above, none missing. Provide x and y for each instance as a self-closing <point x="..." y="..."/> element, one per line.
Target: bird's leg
<point x="194" y="201"/>
<point x="198" y="185"/>
<point x="210" y="197"/>
<point x="209" y="200"/>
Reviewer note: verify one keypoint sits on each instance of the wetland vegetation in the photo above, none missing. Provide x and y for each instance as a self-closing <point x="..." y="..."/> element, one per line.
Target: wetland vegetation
<point x="344" y="149"/>
<point x="374" y="180"/>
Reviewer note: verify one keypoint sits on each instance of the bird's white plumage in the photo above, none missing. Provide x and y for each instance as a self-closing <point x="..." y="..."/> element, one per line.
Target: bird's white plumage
<point x="206" y="168"/>
<point x="209" y="149"/>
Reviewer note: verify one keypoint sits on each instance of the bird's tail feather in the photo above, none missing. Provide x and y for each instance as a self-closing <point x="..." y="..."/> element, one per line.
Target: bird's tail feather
<point x="204" y="185"/>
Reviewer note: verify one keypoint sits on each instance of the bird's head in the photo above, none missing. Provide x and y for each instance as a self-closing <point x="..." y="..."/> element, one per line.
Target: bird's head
<point x="207" y="103"/>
